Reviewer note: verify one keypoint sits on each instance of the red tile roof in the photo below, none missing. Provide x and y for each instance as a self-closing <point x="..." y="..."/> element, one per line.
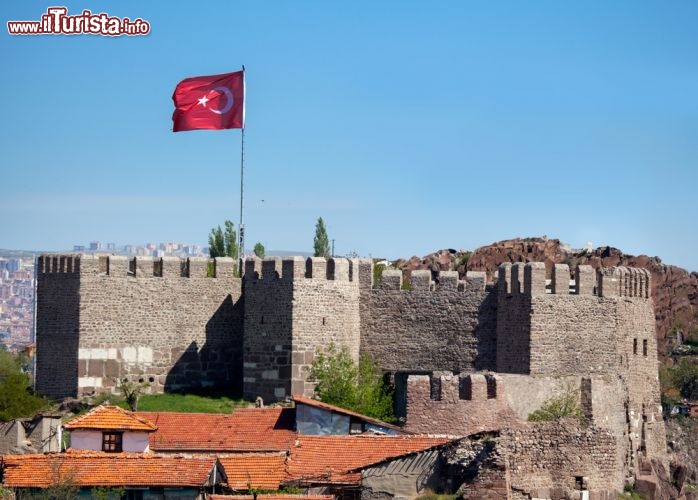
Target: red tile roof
<point x="89" y="469"/>
<point x="254" y="470"/>
<point x="246" y="429"/>
<point x="326" y="459"/>
<point x="110" y="417"/>
<point x="319" y="404"/>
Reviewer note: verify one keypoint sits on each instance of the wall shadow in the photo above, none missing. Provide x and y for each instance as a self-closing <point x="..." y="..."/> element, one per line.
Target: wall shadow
<point x="486" y="334"/>
<point x="214" y="368"/>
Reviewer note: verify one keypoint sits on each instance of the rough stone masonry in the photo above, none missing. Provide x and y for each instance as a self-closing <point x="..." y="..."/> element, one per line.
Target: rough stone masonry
<point x="470" y="355"/>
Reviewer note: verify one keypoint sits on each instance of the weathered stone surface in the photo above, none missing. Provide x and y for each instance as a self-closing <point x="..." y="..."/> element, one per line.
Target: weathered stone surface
<point x="102" y="319"/>
<point x="125" y="324"/>
<point x="674" y="290"/>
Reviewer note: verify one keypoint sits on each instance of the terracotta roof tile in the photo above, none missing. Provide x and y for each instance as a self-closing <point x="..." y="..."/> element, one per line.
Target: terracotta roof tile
<point x="325" y="406"/>
<point x="326" y="459"/>
<point x="246" y="429"/>
<point x="105" y="469"/>
<point x="253" y="470"/>
<point x="110" y="417"/>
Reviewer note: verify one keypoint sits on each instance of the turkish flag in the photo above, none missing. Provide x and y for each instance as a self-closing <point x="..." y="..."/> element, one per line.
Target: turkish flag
<point x="212" y="102"/>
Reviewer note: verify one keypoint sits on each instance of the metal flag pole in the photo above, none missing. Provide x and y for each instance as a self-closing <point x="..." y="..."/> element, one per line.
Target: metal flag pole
<point x="241" y="226"/>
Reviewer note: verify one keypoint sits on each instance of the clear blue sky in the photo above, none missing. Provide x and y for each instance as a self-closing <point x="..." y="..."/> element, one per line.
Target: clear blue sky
<point x="409" y="126"/>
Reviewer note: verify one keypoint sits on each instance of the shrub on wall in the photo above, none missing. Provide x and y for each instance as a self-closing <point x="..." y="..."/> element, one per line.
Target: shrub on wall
<point x="562" y="406"/>
<point x="357" y="387"/>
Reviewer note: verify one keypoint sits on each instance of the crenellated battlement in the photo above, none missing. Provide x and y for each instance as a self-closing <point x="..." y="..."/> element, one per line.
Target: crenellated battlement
<point x="530" y="279"/>
<point x="58" y="264"/>
<point x="624" y="282"/>
<point x="494" y="352"/>
<point x="424" y="281"/>
<point x="456" y="404"/>
<point x="272" y="269"/>
<point x="472" y="387"/>
<point x="137" y="267"/>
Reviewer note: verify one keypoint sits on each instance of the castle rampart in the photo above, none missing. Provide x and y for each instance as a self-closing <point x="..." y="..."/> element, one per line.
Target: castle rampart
<point x="558" y="330"/>
<point x="163" y="322"/>
<point x="442" y="323"/>
<point x="292" y="308"/>
<point x="509" y="347"/>
<point x="458" y="405"/>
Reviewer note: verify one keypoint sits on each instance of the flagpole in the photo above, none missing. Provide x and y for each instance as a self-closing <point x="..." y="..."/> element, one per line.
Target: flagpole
<point x="241" y="227"/>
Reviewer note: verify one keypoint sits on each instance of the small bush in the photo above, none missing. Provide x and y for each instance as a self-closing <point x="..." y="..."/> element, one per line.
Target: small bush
<point x="357" y="387"/>
<point x="564" y="405"/>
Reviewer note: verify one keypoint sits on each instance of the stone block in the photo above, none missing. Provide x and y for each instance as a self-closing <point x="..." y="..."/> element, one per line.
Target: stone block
<point x="270" y="374"/>
<point x="95" y="368"/>
<point x="224" y="267"/>
<point x="338" y="269"/>
<point x="560" y="282"/>
<point x="144" y="266"/>
<point x="391" y="280"/>
<point x="271" y="268"/>
<point x="144" y="354"/>
<point x="111" y="369"/>
<point x="293" y="268"/>
<point x="316" y="268"/>
<point x="448" y="280"/>
<point x="420" y="279"/>
<point x="297" y="387"/>
<point x="198" y="267"/>
<point x="129" y="354"/>
<point x="475" y="280"/>
<point x="584" y="280"/>
<point x="534" y="278"/>
<point x="517" y="278"/>
<point x="253" y="268"/>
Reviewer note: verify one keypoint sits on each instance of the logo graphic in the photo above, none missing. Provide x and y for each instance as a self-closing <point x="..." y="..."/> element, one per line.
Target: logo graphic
<point x="56" y="21"/>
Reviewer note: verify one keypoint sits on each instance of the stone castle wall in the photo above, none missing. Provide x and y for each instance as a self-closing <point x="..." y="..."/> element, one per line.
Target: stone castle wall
<point x="57" y="325"/>
<point x="162" y="322"/>
<point x="439" y="323"/>
<point x="293" y="308"/>
<point x="637" y="363"/>
<point x="554" y="459"/>
<point x="559" y="333"/>
<point x="509" y="347"/>
<point x="457" y="405"/>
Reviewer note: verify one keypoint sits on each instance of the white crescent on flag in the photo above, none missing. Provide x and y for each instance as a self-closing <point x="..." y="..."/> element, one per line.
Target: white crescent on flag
<point x="228" y="103"/>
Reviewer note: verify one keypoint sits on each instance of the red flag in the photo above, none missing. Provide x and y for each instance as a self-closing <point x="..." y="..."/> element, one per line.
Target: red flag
<point x="212" y="102"/>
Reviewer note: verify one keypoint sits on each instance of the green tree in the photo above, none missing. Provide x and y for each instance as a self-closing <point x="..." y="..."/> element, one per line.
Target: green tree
<point x="223" y="243"/>
<point x="684" y="376"/>
<point x="360" y="388"/>
<point x="132" y="392"/>
<point x="16" y="398"/>
<point x="321" y="243"/>
<point x="106" y="493"/>
<point x="557" y="407"/>
<point x="259" y="250"/>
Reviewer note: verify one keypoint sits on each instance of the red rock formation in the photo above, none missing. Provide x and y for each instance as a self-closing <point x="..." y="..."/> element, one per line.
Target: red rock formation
<point x="674" y="290"/>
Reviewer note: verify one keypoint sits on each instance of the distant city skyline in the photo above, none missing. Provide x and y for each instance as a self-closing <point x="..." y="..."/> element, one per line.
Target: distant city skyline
<point x="408" y="128"/>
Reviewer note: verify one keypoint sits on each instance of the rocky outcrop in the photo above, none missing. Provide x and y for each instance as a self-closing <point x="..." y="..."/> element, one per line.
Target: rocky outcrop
<point x="674" y="290"/>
